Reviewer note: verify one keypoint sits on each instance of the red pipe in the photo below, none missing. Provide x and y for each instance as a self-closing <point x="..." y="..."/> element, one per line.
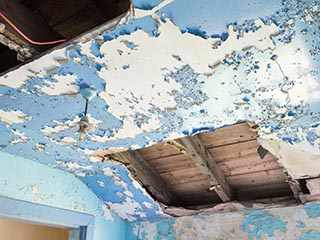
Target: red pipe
<point x="26" y="37"/>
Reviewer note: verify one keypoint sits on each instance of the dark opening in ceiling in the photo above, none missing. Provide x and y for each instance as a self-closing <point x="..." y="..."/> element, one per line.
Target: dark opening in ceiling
<point x="47" y="21"/>
<point x="207" y="169"/>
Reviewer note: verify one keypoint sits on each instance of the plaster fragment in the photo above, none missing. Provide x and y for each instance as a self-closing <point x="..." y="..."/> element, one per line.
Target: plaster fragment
<point x="63" y="85"/>
<point x="13" y="116"/>
<point x="107" y="213"/>
<point x="22" y="137"/>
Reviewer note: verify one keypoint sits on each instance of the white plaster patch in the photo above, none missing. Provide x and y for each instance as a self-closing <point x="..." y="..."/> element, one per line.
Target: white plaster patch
<point x="68" y="140"/>
<point x="13" y="116"/>
<point x="140" y="13"/>
<point x="65" y="84"/>
<point x="108" y="171"/>
<point x="107" y="213"/>
<point x="149" y="229"/>
<point x="75" y="166"/>
<point x="36" y="68"/>
<point x="22" y="137"/>
<point x="148" y="205"/>
<point x="141" y="94"/>
<point x="300" y="159"/>
<point x="101" y="184"/>
<point x="127" y="209"/>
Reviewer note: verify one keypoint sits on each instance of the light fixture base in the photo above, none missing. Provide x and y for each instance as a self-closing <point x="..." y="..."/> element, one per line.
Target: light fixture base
<point x="88" y="93"/>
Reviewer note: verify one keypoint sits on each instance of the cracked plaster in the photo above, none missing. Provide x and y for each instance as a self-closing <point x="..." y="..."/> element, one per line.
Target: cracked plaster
<point x="165" y="74"/>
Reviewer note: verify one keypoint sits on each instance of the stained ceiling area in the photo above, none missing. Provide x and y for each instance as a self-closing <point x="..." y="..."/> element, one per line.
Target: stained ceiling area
<point x="161" y="74"/>
<point x="45" y="24"/>
<point x="208" y="168"/>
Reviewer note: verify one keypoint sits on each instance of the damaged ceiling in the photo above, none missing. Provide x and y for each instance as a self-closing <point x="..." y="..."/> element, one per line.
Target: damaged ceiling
<point x="207" y="169"/>
<point x="162" y="75"/>
<point x="30" y="27"/>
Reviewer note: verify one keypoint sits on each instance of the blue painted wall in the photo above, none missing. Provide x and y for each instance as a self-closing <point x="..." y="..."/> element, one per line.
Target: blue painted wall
<point x="298" y="222"/>
<point x="26" y="180"/>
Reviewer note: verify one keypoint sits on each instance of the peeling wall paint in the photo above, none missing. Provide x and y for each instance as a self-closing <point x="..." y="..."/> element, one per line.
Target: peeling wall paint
<point x="172" y="70"/>
<point x="25" y="180"/>
<point x="278" y="223"/>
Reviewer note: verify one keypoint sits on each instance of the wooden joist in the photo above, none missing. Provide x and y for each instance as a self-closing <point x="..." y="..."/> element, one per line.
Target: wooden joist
<point x="204" y="161"/>
<point x="26" y="21"/>
<point x="147" y="176"/>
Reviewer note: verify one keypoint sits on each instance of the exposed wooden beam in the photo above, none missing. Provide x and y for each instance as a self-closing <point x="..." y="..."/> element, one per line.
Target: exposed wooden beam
<point x="147" y="176"/>
<point x="29" y="23"/>
<point x="204" y="161"/>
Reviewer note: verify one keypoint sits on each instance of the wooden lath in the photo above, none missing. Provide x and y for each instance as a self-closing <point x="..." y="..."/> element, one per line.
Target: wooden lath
<point x="206" y="169"/>
<point x="196" y="150"/>
<point x="294" y="185"/>
<point x="142" y="171"/>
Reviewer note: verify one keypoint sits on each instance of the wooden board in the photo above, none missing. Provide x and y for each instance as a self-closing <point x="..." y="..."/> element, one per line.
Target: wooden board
<point x="157" y="150"/>
<point x="267" y="191"/>
<point x="227" y="135"/>
<point x="228" y="152"/>
<point x="248" y="164"/>
<point x="257" y="179"/>
<point x="234" y="151"/>
<point x="171" y="163"/>
<point x="183" y="176"/>
<point x="195" y="187"/>
<point x="200" y="199"/>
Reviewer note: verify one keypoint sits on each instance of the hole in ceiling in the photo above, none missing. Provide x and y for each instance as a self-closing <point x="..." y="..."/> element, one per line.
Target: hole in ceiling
<point x="49" y="21"/>
<point x="208" y="169"/>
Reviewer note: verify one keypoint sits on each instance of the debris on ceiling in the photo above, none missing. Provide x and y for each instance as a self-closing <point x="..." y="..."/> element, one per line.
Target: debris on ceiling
<point x="29" y="27"/>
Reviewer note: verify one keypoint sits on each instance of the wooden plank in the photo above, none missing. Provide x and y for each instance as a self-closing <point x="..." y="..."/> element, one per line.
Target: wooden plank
<point x="273" y="193"/>
<point x="264" y="187"/>
<point x="199" y="199"/>
<point x="201" y="185"/>
<point x="248" y="164"/>
<point x="264" y="191"/>
<point x="30" y="24"/>
<point x="227" y="135"/>
<point x="257" y="178"/>
<point x="171" y="163"/>
<point x="235" y="151"/>
<point x="183" y="176"/>
<point x="208" y="166"/>
<point x="158" y="150"/>
<point x="147" y="176"/>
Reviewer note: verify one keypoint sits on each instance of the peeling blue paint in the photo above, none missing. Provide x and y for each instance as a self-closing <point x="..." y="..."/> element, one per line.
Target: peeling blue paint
<point x="196" y="103"/>
<point x="237" y="11"/>
<point x="313" y="210"/>
<point x="259" y="223"/>
<point x="165" y="229"/>
<point x="146" y="5"/>
<point x="146" y="24"/>
<point x="310" y="235"/>
<point x="197" y="130"/>
<point x="301" y="224"/>
<point x="95" y="49"/>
